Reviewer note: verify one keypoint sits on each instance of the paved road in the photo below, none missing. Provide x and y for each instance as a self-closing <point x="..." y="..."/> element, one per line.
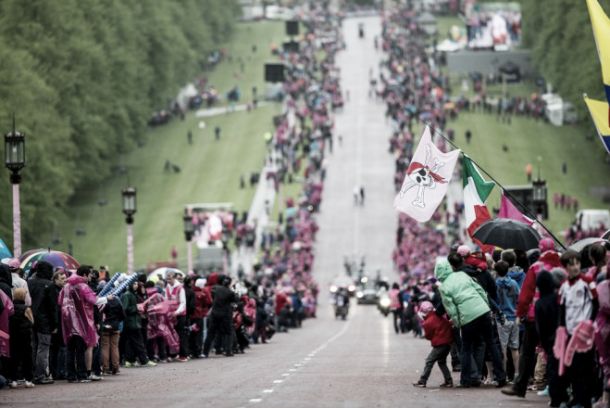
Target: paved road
<point x="328" y="363"/>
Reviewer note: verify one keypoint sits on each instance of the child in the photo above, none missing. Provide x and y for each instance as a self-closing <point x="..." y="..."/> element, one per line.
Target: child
<point x="438" y="331"/>
<point x="21" y="324"/>
<point x="578" y="302"/>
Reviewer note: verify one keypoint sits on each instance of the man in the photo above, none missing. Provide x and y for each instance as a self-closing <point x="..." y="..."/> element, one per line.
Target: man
<point x="44" y="311"/>
<point x="466" y="304"/>
<point x="548" y="260"/>
<point x="77" y="301"/>
<point x="174" y="291"/>
<point x="221" y="317"/>
<point x="508" y="293"/>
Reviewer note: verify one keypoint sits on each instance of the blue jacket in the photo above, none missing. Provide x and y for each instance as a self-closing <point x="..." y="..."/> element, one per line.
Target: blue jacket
<point x="508" y="294"/>
<point x="517" y="274"/>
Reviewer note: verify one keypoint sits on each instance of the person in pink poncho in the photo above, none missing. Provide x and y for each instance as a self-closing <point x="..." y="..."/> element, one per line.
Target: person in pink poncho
<point x="77" y="301"/>
<point x="6" y="311"/>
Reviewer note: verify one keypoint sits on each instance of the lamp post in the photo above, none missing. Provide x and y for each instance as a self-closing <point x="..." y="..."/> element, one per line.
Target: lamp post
<point x="14" y="160"/>
<point x="129" y="209"/>
<point x="189" y="229"/>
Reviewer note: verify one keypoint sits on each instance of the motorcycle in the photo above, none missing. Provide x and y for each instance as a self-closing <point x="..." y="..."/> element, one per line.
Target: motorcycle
<point x="384" y="304"/>
<point x="341" y="305"/>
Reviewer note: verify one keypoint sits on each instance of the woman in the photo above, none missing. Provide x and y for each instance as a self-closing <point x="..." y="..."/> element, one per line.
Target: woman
<point x="396" y="307"/>
<point x="134" y="346"/>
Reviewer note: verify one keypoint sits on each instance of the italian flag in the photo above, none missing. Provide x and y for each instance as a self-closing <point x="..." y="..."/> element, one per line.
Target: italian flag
<point x="476" y="191"/>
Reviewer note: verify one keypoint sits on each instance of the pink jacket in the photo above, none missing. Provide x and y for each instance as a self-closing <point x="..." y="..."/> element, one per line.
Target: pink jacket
<point x="394" y="300"/>
<point x="77" y="301"/>
<point x="8" y="311"/>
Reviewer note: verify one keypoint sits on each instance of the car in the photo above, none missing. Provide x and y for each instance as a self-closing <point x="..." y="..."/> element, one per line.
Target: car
<point x="367" y="293"/>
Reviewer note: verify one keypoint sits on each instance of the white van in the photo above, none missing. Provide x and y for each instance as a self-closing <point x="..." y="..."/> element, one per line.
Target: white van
<point x="591" y="219"/>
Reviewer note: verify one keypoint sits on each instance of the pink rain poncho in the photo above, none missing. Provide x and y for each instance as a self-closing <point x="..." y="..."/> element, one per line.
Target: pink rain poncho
<point x="602" y="327"/>
<point x="77" y="301"/>
<point x="160" y="320"/>
<point x="4" y="334"/>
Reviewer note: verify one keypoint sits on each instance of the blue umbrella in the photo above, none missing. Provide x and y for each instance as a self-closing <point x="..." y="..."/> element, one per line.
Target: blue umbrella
<point x="4" y="251"/>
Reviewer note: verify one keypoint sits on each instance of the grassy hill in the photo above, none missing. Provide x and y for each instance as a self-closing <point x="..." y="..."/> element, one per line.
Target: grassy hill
<point x="210" y="169"/>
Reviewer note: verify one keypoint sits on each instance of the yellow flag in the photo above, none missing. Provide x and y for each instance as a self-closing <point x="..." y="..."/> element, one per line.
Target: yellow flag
<point x="599" y="114"/>
<point x="601" y="32"/>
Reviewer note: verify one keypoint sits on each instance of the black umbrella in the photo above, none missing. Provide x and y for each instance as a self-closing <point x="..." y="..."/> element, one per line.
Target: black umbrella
<point x="585" y="242"/>
<point x="506" y="233"/>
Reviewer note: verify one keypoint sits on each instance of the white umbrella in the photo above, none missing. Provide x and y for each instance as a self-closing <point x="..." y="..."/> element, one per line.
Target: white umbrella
<point x="162" y="272"/>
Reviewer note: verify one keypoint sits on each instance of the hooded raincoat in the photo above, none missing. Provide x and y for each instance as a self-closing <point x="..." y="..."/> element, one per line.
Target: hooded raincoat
<point x="464" y="299"/>
<point x="77" y="301"/>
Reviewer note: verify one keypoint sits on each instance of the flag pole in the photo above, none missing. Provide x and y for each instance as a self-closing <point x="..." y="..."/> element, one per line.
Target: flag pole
<point x="504" y="190"/>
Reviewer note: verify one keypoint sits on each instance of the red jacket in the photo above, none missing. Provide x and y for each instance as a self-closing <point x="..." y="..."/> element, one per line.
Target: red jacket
<point x="438" y="330"/>
<point x="280" y="302"/>
<point x="529" y="293"/>
<point x="203" y="302"/>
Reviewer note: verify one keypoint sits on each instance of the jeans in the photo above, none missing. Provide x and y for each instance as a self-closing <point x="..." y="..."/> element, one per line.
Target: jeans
<point x="475" y="334"/>
<point x="398" y="326"/>
<point x="156" y="348"/>
<point x="110" y="350"/>
<point x="41" y="346"/>
<point x="527" y="358"/>
<point x="437" y="355"/>
<point x="75" y="359"/>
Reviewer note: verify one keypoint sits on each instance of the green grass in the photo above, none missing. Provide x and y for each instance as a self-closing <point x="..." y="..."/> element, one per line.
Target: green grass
<point x="444" y="24"/>
<point x="527" y="140"/>
<point x="210" y="170"/>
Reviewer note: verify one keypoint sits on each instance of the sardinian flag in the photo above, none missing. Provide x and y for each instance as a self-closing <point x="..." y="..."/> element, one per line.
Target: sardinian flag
<point x="426" y="181"/>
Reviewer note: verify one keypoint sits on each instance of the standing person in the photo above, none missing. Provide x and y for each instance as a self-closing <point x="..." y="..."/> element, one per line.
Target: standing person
<point x="112" y="318"/>
<point x="525" y="313"/>
<point x="221" y="317"/>
<point x="6" y="311"/>
<point x="17" y="277"/>
<point x="438" y="331"/>
<point x="577" y="305"/>
<point x="396" y="307"/>
<point x="361" y="195"/>
<point x="174" y="292"/>
<point x="203" y="302"/>
<point x="189" y="295"/>
<point x="21" y="325"/>
<point x="134" y="345"/>
<point x="57" y="351"/>
<point x="547" y="320"/>
<point x="77" y="301"/>
<point x="44" y="311"/>
<point x="466" y="304"/>
<point x="508" y="294"/>
<point x="6" y="281"/>
<point x="189" y="137"/>
<point x="217" y="131"/>
<point x="468" y="136"/>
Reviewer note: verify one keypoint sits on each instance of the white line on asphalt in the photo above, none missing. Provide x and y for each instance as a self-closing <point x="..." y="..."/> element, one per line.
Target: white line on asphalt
<point x="268" y="391"/>
<point x="278" y="381"/>
<point x="285" y="375"/>
<point x="255" y="400"/>
<point x="292" y="370"/>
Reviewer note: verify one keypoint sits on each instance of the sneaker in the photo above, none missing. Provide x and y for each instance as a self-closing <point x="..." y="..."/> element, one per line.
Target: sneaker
<point x="500" y="384"/>
<point x="150" y="364"/>
<point x="203" y="356"/>
<point x="94" y="377"/>
<point x="447" y="384"/>
<point x="544" y="392"/>
<point x="488" y="381"/>
<point x="29" y="384"/>
<point x="420" y="384"/>
<point x="182" y="359"/>
<point x="13" y="384"/>
<point x="84" y="381"/>
<point x="44" y="380"/>
<point x="128" y="364"/>
<point x="136" y="364"/>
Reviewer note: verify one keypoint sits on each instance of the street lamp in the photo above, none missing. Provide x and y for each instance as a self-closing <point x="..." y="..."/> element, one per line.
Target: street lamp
<point x="129" y="209"/>
<point x="189" y="229"/>
<point x="14" y="160"/>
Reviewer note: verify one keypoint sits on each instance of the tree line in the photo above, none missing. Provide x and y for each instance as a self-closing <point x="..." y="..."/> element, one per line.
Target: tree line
<point x="83" y="77"/>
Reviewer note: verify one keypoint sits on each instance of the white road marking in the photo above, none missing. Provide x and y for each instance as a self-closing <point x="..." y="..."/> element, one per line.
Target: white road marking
<point x="268" y="391"/>
<point x="278" y="381"/>
<point x="285" y="375"/>
<point x="255" y="400"/>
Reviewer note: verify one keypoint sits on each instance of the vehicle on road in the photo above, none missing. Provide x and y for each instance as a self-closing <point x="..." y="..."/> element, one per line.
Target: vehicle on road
<point x="383" y="304"/>
<point x="341" y="303"/>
